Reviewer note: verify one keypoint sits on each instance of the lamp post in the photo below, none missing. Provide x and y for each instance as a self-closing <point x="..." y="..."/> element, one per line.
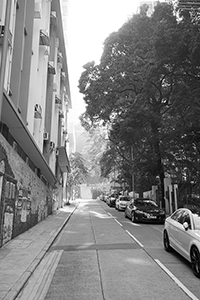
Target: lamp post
<point x="4" y="51"/>
<point x="133" y="179"/>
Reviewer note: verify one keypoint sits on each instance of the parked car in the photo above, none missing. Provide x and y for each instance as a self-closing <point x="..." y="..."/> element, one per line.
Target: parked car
<point x="121" y="202"/>
<point x="102" y="197"/>
<point x="182" y="233"/>
<point x="111" y="200"/>
<point x="144" y="210"/>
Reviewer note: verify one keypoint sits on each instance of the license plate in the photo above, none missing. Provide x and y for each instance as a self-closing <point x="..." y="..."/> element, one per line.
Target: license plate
<point x="153" y="217"/>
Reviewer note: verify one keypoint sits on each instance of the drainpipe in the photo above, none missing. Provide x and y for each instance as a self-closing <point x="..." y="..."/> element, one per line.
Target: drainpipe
<point x="4" y="51"/>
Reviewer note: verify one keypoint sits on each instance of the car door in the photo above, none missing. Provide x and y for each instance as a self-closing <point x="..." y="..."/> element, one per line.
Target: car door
<point x="181" y="235"/>
<point x="173" y="228"/>
<point x="129" y="210"/>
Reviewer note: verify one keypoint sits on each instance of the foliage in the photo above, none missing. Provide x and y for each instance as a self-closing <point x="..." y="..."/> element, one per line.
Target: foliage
<point x="146" y="91"/>
<point x="79" y="171"/>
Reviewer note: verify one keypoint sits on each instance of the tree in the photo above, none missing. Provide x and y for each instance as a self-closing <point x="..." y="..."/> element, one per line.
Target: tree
<point x="78" y="174"/>
<point x="146" y="89"/>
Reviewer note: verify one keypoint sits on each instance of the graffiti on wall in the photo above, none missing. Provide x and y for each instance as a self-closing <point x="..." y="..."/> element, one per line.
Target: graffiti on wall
<point x="10" y="191"/>
<point x="23" y="203"/>
<point x="8" y="224"/>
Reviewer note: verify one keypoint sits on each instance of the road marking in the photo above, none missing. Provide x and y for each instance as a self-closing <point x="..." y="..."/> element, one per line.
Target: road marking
<point x="118" y="222"/>
<point x="183" y="287"/>
<point x="134" y="238"/>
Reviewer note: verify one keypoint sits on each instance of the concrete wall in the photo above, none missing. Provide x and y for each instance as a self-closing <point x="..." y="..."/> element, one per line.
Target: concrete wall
<point x="25" y="200"/>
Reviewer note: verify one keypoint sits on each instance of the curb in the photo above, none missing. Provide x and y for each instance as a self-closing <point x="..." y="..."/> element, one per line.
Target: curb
<point x="18" y="286"/>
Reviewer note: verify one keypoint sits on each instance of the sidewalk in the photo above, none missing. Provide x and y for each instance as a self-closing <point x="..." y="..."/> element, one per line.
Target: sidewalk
<point x="20" y="257"/>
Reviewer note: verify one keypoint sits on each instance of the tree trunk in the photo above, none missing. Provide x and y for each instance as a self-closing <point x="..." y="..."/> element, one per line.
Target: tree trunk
<point x="160" y="168"/>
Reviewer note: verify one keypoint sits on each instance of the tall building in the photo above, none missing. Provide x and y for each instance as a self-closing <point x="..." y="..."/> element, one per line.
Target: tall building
<point x="34" y="103"/>
<point x="71" y="130"/>
<point x="151" y="4"/>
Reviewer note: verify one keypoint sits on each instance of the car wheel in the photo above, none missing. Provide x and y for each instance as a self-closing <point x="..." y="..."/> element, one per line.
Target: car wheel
<point x="133" y="217"/>
<point x="166" y="241"/>
<point x="195" y="261"/>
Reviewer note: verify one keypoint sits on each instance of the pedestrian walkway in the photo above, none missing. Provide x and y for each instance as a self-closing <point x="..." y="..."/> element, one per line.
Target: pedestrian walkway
<point x="21" y="256"/>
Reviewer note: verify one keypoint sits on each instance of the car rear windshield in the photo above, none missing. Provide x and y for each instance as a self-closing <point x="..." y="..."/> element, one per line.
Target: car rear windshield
<point x="125" y="199"/>
<point x="146" y="203"/>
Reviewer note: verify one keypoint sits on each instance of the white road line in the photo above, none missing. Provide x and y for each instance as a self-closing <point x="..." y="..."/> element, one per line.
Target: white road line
<point x="134" y="238"/>
<point x="190" y="294"/>
<point x="118" y="222"/>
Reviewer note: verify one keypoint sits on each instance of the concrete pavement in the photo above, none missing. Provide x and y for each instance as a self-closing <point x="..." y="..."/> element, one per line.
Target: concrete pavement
<point x="21" y="256"/>
<point x="93" y="258"/>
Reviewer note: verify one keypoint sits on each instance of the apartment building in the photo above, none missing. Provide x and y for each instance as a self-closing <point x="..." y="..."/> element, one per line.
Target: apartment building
<point x="151" y="5"/>
<point x="34" y="103"/>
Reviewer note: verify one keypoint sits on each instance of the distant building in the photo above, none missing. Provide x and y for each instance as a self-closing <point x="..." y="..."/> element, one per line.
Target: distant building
<point x="151" y="4"/>
<point x="34" y="103"/>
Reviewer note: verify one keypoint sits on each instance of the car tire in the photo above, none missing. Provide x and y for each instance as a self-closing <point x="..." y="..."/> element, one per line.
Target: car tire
<point x="166" y="241"/>
<point x="133" y="217"/>
<point x="195" y="261"/>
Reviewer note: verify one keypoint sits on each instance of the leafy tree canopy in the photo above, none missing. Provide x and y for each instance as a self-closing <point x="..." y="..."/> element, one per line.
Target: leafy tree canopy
<point x="146" y="91"/>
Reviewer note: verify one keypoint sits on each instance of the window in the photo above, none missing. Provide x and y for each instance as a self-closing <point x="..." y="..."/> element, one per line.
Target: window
<point x="177" y="215"/>
<point x="186" y="218"/>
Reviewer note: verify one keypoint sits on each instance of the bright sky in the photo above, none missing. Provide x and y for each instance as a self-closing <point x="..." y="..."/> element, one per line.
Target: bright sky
<point x="89" y="23"/>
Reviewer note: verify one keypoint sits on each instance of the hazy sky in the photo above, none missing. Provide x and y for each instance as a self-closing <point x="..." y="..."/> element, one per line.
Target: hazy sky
<point x="89" y="24"/>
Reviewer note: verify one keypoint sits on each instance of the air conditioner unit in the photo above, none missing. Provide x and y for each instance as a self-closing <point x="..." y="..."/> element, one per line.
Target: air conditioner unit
<point x="53" y="18"/>
<point x="58" y="100"/>
<point x="45" y="136"/>
<point x="59" y="57"/>
<point x="44" y="37"/>
<point x="57" y="152"/>
<point x="61" y="114"/>
<point x="51" y="68"/>
<point x="63" y="76"/>
<point x="38" y="111"/>
<point x="52" y="145"/>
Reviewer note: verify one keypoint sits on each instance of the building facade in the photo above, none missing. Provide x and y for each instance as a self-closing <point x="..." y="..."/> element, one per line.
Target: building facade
<point x="34" y="103"/>
<point x="151" y="5"/>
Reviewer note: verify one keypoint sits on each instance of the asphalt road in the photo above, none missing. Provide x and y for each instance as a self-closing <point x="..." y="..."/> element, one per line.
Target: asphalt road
<point x="100" y="255"/>
<point x="150" y="237"/>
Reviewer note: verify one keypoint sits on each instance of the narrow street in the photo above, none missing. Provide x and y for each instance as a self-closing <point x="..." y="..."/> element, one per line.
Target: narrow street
<point x="95" y="258"/>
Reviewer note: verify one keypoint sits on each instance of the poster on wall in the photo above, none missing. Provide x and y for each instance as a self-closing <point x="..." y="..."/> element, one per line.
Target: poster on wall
<point x="7" y="227"/>
<point x="24" y="210"/>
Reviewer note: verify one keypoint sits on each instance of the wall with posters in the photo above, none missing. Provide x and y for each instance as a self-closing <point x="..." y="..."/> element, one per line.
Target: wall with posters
<point x="24" y="199"/>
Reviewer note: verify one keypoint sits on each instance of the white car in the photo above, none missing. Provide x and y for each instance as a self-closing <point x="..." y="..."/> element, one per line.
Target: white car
<point x="122" y="202"/>
<point x="182" y="233"/>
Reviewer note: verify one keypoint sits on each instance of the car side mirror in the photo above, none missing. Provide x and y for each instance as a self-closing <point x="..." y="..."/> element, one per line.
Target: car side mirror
<point x="186" y="225"/>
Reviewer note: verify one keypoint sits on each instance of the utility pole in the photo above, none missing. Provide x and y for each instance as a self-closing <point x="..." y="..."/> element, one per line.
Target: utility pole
<point x="133" y="179"/>
<point x="4" y="51"/>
